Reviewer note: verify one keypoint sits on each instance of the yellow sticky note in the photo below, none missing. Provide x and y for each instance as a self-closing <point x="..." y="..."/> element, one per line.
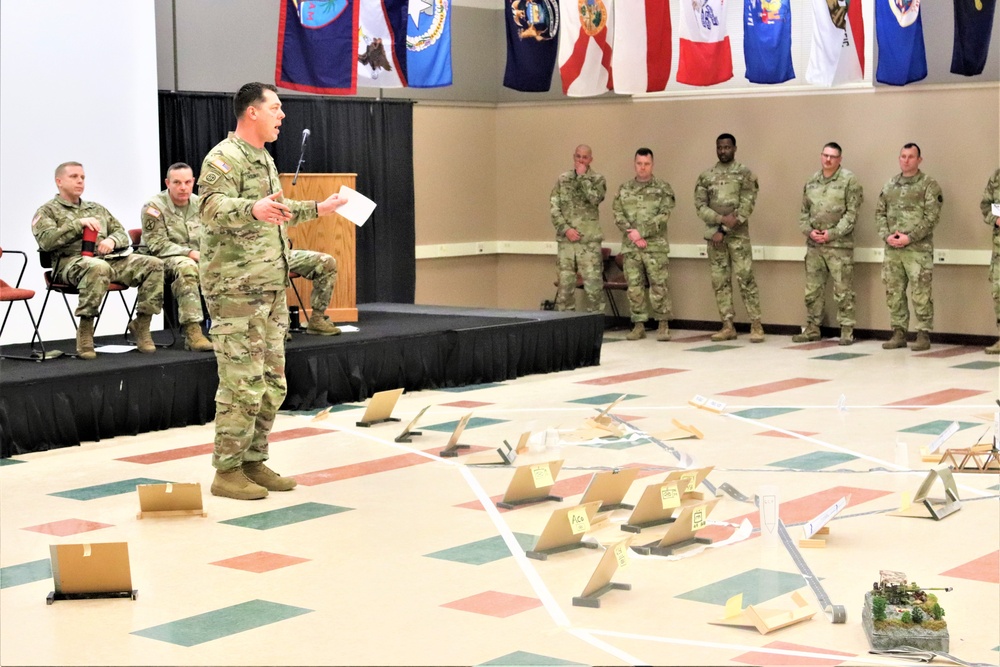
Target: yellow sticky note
<point x="621" y="554"/>
<point x="734" y="606"/>
<point x="699" y="518"/>
<point x="691" y="478"/>
<point x="541" y="475"/>
<point x="578" y="521"/>
<point x="670" y="497"/>
<point x="905" y="502"/>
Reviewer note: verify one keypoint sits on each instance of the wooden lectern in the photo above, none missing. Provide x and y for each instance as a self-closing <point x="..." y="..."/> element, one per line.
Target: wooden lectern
<point x="331" y="234"/>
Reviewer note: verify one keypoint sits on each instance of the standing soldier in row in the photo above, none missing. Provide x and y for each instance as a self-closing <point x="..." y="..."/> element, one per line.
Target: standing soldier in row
<point x="724" y="197"/>
<point x="908" y="210"/>
<point x="642" y="210"/>
<point x="830" y="203"/>
<point x="990" y="206"/>
<point x="573" y="203"/>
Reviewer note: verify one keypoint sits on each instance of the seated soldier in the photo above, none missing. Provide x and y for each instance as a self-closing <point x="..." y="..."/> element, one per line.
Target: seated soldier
<point x="321" y="269"/>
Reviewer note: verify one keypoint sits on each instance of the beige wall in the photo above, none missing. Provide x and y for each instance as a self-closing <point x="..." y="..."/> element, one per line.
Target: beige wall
<point x="484" y="174"/>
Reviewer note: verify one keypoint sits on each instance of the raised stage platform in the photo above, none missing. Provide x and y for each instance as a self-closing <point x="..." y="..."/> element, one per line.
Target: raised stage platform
<point x="64" y="402"/>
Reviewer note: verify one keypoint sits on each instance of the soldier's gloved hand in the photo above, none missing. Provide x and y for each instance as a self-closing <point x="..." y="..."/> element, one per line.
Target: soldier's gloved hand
<point x="572" y="235"/>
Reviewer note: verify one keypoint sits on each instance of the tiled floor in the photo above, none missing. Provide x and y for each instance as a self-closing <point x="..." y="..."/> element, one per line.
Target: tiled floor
<point x="387" y="554"/>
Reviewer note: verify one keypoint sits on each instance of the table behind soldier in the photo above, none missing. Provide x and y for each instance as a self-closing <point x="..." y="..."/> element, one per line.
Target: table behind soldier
<point x="244" y="272"/>
<point x="58" y="228"/>
<point x="991" y="198"/>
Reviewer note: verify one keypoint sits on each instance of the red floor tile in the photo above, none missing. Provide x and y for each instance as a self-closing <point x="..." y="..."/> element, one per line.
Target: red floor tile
<point x="802" y="509"/>
<point x="370" y="467"/>
<point x="493" y="603"/>
<point x="948" y="352"/>
<point x="631" y="377"/>
<point x="772" y="387"/>
<point x="986" y="568"/>
<point x="466" y="404"/>
<point x="761" y="658"/>
<point x="68" y="527"/>
<point x="937" y="397"/>
<point x="198" y="450"/>
<point x="815" y="345"/>
<point x="260" y="561"/>
<point x="780" y="434"/>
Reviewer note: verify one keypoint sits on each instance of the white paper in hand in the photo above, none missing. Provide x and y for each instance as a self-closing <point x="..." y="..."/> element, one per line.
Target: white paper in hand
<point x="358" y="207"/>
<point x="995" y="209"/>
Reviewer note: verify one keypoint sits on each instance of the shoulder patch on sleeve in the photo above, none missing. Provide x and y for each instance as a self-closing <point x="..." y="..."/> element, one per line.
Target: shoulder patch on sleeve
<point x="153" y="211"/>
<point x="221" y="165"/>
<point x="210" y="177"/>
<point x="148" y="225"/>
<point x="34" y="221"/>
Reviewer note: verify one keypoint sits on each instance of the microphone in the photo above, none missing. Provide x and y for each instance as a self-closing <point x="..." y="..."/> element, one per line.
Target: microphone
<point x="305" y="135"/>
<point x="302" y="155"/>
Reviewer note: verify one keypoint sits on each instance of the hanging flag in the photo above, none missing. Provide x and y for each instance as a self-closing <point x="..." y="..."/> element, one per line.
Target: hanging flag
<point x="532" y="46"/>
<point x="318" y="46"/>
<point x="428" y="43"/>
<point x="900" y="34"/>
<point x="838" y="43"/>
<point x="382" y="43"/>
<point x="767" y="40"/>
<point x="585" y="37"/>
<point x="706" y="57"/>
<point x="641" y="55"/>
<point x="973" y="25"/>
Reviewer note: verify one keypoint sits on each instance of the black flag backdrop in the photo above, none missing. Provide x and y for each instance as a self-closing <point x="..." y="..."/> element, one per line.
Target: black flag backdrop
<point x="373" y="139"/>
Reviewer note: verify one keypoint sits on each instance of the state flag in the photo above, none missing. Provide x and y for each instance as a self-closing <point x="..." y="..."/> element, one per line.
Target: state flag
<point x="973" y="28"/>
<point x="428" y="43"/>
<point x="641" y="55"/>
<point x="900" y="34"/>
<point x="532" y="44"/>
<point x="585" y="37"/>
<point x="767" y="40"/>
<point x="706" y="57"/>
<point x="838" y="43"/>
<point x="318" y="46"/>
<point x="382" y="43"/>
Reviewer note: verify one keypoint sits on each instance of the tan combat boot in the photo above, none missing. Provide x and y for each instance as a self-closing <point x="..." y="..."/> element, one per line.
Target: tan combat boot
<point x="923" y="342"/>
<point x="756" y="332"/>
<point x="321" y="325"/>
<point x="809" y="334"/>
<point x="259" y="473"/>
<point x="194" y="339"/>
<point x="898" y="340"/>
<point x="663" y="331"/>
<point x="846" y="335"/>
<point x="638" y="332"/>
<point x="995" y="347"/>
<point x="727" y="332"/>
<point x="139" y="327"/>
<point x="85" y="339"/>
<point x="234" y="484"/>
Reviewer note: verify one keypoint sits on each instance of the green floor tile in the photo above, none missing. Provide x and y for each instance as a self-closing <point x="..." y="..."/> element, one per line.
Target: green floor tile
<point x="472" y="387"/>
<point x="605" y="399"/>
<point x="814" y="461"/>
<point x="25" y="573"/>
<point x="841" y="356"/>
<point x="483" y="551"/>
<point x="764" y="413"/>
<point x="105" y="490"/>
<point x="286" y="516"/>
<point x="525" y="659"/>
<point x="713" y="348"/>
<point x="222" y="622"/>
<point x="315" y="411"/>
<point x="474" y="422"/>
<point x="979" y="365"/>
<point x="936" y="427"/>
<point x="10" y="462"/>
<point x="609" y="339"/>
<point x="757" y="585"/>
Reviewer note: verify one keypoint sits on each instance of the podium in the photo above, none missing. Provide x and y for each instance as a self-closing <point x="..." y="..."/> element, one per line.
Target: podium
<point x="331" y="234"/>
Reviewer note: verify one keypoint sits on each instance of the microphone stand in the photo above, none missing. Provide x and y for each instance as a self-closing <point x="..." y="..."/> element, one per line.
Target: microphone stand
<point x="302" y="158"/>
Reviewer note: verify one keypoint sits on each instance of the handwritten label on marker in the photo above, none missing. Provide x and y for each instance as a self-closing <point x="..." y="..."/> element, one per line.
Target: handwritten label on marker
<point x="670" y="497"/>
<point x="541" y="475"/>
<point x="691" y="478"/>
<point x="621" y="554"/>
<point x="699" y="518"/>
<point x="578" y="521"/>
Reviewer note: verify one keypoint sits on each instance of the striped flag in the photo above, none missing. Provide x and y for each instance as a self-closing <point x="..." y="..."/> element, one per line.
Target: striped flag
<point x="641" y="56"/>
<point x="973" y="25"/>
<point x="585" y="37"/>
<point x="706" y="57"/>
<point x="838" y="43"/>
<point x="900" y="35"/>
<point x="767" y="40"/>
<point x="382" y="43"/>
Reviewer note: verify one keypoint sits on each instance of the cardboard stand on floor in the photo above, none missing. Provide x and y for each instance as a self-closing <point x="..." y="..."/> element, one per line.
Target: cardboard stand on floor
<point x="509" y="454"/>
<point x="765" y="619"/>
<point x="453" y="446"/>
<point x="86" y="571"/>
<point x="922" y="507"/>
<point x="602" y="422"/>
<point x="610" y="487"/>
<point x="162" y="500"/>
<point x="564" y="531"/>
<point x="615" y="557"/>
<point x="817" y="526"/>
<point x="681" y="532"/>
<point x="408" y="432"/>
<point x="656" y="506"/>
<point x="379" y="409"/>
<point x="693" y="478"/>
<point x="531" y="484"/>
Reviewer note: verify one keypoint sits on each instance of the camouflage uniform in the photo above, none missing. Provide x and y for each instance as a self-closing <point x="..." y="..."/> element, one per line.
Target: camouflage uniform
<point x="321" y="269"/>
<point x="573" y="203"/>
<point x="244" y="272"/>
<point x="171" y="233"/>
<point x="724" y="189"/>
<point x="57" y="229"/>
<point x="991" y="195"/>
<point x="645" y="207"/>
<point x="911" y="205"/>
<point x="830" y="204"/>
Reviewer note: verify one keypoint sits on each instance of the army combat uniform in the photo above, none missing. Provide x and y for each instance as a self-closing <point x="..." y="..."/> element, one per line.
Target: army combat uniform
<point x="724" y="189"/>
<point x="646" y="207"/>
<point x="321" y="269"/>
<point x="244" y="272"/>
<point x="171" y="233"/>
<point x="573" y="203"/>
<point x="991" y="197"/>
<point x="830" y="205"/>
<point x="912" y="206"/>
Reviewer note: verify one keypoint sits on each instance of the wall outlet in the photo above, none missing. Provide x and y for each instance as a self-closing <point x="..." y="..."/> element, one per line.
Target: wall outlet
<point x="757" y="252"/>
